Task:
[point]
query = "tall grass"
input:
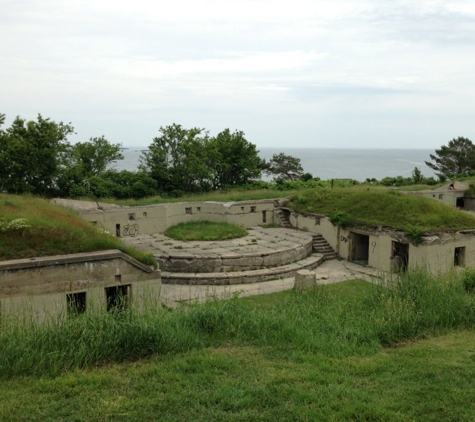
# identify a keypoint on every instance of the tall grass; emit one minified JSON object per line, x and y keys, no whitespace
{"x":320,"y":321}
{"x":49,"y":229}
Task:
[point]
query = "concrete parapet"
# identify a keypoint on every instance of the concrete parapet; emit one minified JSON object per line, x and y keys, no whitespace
{"x":243,"y":277}
{"x":305,"y":280}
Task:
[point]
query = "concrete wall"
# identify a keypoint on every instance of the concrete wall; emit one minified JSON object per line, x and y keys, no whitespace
{"x":38,"y":287}
{"x":469,"y":203}
{"x":318,"y":224}
{"x":436,"y":253}
{"x":447,"y":196}
{"x":157,"y":218}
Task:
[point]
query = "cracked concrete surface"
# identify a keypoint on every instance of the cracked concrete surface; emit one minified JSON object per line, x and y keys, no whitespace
{"x":329,"y":272}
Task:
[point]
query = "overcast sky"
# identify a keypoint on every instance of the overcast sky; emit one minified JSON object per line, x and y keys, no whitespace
{"x":341,"y":74}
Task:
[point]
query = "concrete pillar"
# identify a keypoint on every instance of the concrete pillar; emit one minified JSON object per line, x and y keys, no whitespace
{"x":304,"y":280}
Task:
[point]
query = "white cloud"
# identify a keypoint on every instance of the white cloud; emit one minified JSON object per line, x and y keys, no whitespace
{"x":270,"y":68}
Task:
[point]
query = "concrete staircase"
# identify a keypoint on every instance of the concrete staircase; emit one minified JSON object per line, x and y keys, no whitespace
{"x":284,"y":218}
{"x":320,"y":245}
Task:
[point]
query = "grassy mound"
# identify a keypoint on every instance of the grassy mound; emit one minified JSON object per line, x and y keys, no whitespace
{"x":205,"y":230}
{"x":31,"y":227}
{"x":383,"y":207}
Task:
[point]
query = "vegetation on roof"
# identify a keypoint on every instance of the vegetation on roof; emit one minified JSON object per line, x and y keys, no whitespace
{"x":373,"y":207}
{"x":205,"y":230}
{"x":31,"y":227}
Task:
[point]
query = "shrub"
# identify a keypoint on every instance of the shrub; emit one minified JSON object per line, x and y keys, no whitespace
{"x":414,"y":234}
{"x":340,"y":219}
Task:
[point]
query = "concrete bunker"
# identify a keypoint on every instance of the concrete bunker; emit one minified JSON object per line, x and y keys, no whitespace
{"x":61,"y":286}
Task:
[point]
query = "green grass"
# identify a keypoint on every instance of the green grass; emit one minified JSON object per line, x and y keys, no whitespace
{"x":205,"y":230}
{"x":52,"y":230}
{"x":383,"y":207}
{"x":343,"y":320}
{"x":431,"y":380}
{"x":349,"y":351}
{"x":217,"y":196}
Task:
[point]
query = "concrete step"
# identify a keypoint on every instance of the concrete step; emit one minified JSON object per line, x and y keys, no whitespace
{"x":244,"y":277}
{"x":284,"y":219}
{"x":322,"y":246}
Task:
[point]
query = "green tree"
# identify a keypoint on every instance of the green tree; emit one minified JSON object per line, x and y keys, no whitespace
{"x":417,"y":176}
{"x":285,"y":167}
{"x":233,"y":159}
{"x":306,"y":177}
{"x":116,"y":184}
{"x":178,"y":159}
{"x":32,"y":155}
{"x":458,"y":157}
{"x":94,"y":156}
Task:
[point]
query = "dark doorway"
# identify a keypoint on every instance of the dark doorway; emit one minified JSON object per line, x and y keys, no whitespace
{"x":459,"y":256}
{"x":399,"y":257}
{"x":76,"y":303}
{"x":460,"y":203}
{"x":359,"y":251}
{"x":117,"y":298}
{"x":117,"y":230}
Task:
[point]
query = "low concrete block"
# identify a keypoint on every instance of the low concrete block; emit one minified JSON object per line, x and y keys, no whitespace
{"x":304,"y":280}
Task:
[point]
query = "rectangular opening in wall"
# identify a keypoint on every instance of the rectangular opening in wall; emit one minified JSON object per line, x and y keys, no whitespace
{"x":117,"y":230}
{"x":460,"y":203}
{"x":188,"y":210}
{"x":264,"y":217}
{"x":242,"y":209}
{"x":399,"y":257}
{"x":459,"y":256}
{"x":76,"y":303}
{"x":359,"y":250}
{"x":117,"y":298}
{"x":132,"y":216}
{"x":144,"y":214}
{"x":253,"y":209}
{"x":198,"y":209}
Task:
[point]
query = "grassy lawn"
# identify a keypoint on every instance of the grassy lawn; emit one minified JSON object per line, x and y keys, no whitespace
{"x":431,"y":380}
{"x":205,"y":230}
{"x":349,"y":351}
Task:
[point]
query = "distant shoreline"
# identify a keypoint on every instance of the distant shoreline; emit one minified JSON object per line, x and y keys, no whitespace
{"x":332,"y":163}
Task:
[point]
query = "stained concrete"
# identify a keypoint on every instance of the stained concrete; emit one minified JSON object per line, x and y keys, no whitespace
{"x":261,"y":248}
{"x":333,"y":271}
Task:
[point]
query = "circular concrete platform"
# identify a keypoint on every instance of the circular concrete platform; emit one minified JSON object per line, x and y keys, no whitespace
{"x":262,"y":248}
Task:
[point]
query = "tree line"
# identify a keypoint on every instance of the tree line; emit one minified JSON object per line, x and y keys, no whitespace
{"x":37,"y":158}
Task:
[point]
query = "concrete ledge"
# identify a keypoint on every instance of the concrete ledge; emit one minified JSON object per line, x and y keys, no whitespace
{"x":243,"y":277}
{"x":183,"y":262}
{"x":46,"y":261}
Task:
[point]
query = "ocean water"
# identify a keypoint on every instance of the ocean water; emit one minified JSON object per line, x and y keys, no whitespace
{"x":327,"y":163}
